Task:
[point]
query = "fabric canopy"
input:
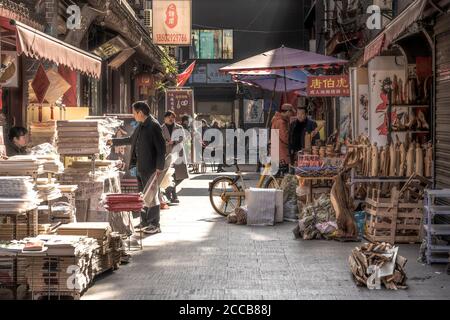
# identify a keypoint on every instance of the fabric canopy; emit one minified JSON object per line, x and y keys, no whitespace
{"x":282,"y":58}
{"x":268,"y":80}
{"x":394,"y":29}
{"x":38,"y":45}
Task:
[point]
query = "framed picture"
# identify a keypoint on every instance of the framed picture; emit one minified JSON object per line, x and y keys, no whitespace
{"x":254,"y":111}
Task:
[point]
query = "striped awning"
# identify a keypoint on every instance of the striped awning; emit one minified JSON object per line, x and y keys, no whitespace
{"x":394,"y":29}
{"x":41,"y":46}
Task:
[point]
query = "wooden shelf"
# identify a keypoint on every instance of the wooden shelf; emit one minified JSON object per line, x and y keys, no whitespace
{"x":438,"y":229}
{"x":439,"y":210}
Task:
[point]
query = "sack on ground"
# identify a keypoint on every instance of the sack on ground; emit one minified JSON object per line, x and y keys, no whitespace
{"x":260,"y":206}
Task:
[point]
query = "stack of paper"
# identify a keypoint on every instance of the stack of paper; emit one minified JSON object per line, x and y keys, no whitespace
{"x":123,"y":202}
{"x":49,"y":157}
{"x":17,"y":194}
{"x":12,"y":267}
{"x":65,"y":266}
{"x":48,"y":191}
{"x":18,"y":227}
{"x":97,"y":230}
{"x":78,"y":137}
{"x":108,"y":128}
{"x":62,"y":212}
{"x":42,"y":132}
{"x":109,"y":243}
{"x":21,"y":166}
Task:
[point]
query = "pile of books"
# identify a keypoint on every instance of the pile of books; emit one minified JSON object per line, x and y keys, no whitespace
{"x":42,"y":132}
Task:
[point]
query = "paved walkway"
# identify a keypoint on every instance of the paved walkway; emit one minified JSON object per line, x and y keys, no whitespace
{"x":200,"y":256}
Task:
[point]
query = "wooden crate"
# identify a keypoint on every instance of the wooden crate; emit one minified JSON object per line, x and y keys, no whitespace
{"x":389,"y":220}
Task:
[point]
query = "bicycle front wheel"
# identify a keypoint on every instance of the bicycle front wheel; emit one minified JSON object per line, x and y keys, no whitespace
{"x":222,"y":201}
{"x":272,"y":183}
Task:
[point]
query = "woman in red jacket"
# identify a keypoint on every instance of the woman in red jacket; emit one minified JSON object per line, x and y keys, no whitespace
{"x":280,"y":121}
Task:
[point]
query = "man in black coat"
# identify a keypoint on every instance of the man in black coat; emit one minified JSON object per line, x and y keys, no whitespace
{"x":298,"y":129}
{"x":148,"y":149}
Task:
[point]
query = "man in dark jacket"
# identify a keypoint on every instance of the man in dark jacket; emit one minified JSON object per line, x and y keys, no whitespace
{"x":148,"y":149}
{"x":16,"y":144}
{"x":298,"y":129}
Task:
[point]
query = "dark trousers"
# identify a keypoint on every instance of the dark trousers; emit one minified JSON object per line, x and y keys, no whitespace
{"x":149,"y":216}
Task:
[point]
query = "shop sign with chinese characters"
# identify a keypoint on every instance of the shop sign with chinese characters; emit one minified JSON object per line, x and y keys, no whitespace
{"x":328,"y":86}
{"x":181,"y":101}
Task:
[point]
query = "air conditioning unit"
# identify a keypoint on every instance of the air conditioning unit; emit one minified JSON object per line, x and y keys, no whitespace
{"x":385,"y":5}
{"x":148,"y":22}
{"x":147,"y":4}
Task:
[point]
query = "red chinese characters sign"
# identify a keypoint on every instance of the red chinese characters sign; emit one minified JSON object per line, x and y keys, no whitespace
{"x":172,"y":22}
{"x":328,"y":86}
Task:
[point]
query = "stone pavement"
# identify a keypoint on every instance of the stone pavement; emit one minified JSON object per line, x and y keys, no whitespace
{"x":200,"y":256}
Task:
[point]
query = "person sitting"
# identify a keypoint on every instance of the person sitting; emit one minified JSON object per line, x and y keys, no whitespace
{"x":17,"y":142}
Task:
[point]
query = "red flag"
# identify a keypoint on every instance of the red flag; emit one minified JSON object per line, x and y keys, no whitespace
{"x":183,"y":77}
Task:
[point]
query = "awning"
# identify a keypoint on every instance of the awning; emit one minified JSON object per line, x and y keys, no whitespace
{"x":394,"y":29}
{"x":374,"y":48}
{"x":38,"y":45}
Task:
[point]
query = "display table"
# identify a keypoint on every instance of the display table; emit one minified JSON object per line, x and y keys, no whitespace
{"x":308,"y":181}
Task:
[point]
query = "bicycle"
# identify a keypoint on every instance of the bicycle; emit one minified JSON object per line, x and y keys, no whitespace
{"x":226,"y":193}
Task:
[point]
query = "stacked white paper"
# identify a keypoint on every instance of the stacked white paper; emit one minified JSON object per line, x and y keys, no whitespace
{"x":17,"y":194}
{"x":21,"y":166}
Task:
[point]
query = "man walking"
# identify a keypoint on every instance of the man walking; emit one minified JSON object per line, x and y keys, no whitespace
{"x":148,"y":149}
{"x":173,"y":133}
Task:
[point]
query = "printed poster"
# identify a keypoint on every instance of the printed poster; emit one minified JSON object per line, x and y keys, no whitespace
{"x":254,"y":111}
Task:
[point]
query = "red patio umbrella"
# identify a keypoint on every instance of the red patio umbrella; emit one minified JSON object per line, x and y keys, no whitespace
{"x":284,"y":58}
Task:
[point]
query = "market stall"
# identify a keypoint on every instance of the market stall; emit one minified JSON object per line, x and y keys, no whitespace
{"x":50,"y":196}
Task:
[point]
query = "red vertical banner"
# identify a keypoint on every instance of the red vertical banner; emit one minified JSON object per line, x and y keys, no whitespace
{"x":70,"y":97}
